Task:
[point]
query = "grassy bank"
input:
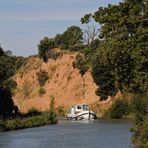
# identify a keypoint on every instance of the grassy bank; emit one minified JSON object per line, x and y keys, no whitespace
{"x":27,"y":122}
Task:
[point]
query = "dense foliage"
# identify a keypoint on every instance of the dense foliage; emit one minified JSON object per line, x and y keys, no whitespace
{"x":44,"y":46}
{"x":52,"y":113}
{"x":81,"y":64}
{"x":121,"y":61}
{"x":71,"y":39}
{"x":122,"y":56}
{"x":6,"y":103}
{"x":39,"y":119}
{"x":140,"y":135}
{"x":119,"y":109}
{"x":8,"y":67}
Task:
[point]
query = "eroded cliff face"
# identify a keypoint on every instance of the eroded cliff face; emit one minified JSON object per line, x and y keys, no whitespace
{"x":65,"y":84}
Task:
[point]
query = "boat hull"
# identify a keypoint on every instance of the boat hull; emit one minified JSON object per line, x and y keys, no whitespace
{"x":85,"y":115}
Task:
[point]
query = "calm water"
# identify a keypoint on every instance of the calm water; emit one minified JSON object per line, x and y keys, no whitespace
{"x":68,"y":134}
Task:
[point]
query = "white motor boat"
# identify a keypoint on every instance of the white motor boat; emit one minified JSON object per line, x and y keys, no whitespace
{"x":81,"y":112}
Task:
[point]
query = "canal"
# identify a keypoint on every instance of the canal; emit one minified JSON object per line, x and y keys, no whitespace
{"x":71,"y":134}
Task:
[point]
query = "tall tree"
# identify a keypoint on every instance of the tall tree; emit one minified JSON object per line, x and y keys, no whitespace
{"x":1,"y":51}
{"x":124,"y":34}
{"x":8,"y":67}
{"x":72,"y":37}
{"x":6,"y":103}
{"x":44,"y":46}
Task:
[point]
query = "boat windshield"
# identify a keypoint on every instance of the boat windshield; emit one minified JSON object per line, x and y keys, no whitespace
{"x":79,"y":107}
{"x":85,"y":107}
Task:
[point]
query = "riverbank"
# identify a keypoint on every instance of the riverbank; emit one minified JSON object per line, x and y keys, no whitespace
{"x":27,"y":122}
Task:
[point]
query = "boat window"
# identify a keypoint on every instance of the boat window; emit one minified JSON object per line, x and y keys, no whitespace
{"x":85,"y":107}
{"x":79,"y":107}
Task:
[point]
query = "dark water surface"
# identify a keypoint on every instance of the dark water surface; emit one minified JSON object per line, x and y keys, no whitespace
{"x":71,"y":134}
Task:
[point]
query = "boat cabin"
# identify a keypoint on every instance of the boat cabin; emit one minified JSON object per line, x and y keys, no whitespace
{"x":79,"y":112}
{"x":81,"y":107}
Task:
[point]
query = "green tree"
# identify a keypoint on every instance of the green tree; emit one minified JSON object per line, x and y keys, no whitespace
{"x":81,"y":64}
{"x":44,"y":46}
{"x":72,"y":38}
{"x":86,"y":18}
{"x":119,"y":108}
{"x":140,"y":130}
{"x":52,"y":114}
{"x":10,"y":84}
{"x":58,"y":40}
{"x":6,"y":103}
{"x":102,"y":72}
{"x":8,"y":66}
{"x":1,"y":51}
{"x":124,"y":46}
{"x":122,"y":58}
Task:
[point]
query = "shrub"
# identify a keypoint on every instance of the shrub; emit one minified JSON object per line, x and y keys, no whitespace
{"x":10,"y":84}
{"x":44,"y":46}
{"x":41,"y":91}
{"x":140,"y":130}
{"x":20,"y":123}
{"x":71,"y":38}
{"x":33,"y":112}
{"x":118,"y":109}
{"x":42,"y":77}
{"x":52,"y":114}
{"x":61,"y":111}
{"x":81,"y":64}
{"x":52,"y":54}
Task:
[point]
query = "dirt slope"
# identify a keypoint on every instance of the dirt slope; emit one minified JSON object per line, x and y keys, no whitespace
{"x":65,"y":84}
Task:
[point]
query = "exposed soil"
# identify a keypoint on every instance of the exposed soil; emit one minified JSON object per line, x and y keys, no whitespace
{"x":65,"y":84}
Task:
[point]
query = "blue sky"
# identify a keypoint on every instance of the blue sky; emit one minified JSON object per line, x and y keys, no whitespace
{"x":23,"y":23}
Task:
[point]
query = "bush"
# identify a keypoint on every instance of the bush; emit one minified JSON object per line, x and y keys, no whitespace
{"x":61,"y":111}
{"x":44,"y":46}
{"x":33,"y":112}
{"x":10,"y":84}
{"x":20,"y":123}
{"x":140,"y":135}
{"x":42,"y":77}
{"x":118,"y":109}
{"x":81,"y":64}
{"x":41,"y":91}
{"x":140,"y":108}
{"x":140,"y":131}
{"x":52,"y":113}
{"x":71,"y":38}
{"x":52,"y":54}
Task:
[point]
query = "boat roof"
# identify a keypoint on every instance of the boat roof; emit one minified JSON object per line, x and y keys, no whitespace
{"x":80,"y":104}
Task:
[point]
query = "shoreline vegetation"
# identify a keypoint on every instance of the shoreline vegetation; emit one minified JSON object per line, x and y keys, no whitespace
{"x":33,"y":118}
{"x":27,"y":122}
